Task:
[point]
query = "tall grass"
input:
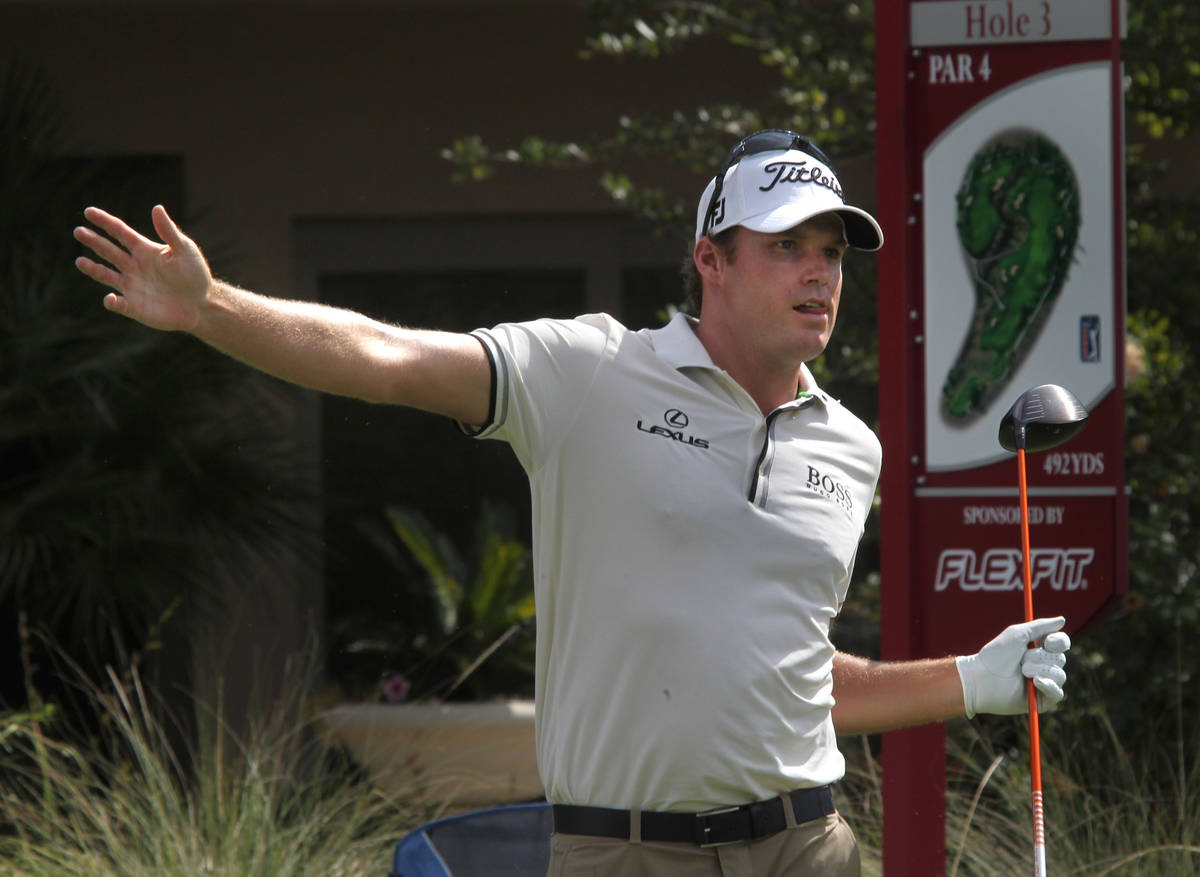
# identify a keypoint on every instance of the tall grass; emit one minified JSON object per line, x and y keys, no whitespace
{"x":277,"y":802}
{"x":1115,"y":807}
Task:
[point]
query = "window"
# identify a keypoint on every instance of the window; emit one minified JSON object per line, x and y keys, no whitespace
{"x":456,"y":275}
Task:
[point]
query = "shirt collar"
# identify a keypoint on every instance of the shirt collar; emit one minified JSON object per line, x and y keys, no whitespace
{"x":677,"y":343}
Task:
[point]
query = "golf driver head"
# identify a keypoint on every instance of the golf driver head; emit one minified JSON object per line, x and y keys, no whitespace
{"x":1042,"y":418}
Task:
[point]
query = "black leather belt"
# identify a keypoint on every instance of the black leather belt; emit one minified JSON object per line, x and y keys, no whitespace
{"x":711,"y":828}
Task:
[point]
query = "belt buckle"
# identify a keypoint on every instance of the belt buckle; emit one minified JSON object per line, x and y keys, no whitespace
{"x":704,"y":830}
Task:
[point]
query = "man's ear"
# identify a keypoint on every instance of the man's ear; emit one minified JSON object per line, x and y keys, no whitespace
{"x":709,"y":259}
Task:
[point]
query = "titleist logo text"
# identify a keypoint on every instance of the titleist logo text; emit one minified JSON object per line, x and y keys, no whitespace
{"x":800,"y":172}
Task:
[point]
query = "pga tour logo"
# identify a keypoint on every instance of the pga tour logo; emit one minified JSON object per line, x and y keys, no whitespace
{"x":1089,"y":338}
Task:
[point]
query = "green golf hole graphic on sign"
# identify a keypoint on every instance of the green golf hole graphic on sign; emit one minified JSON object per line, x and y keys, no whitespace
{"x":1018,"y":222}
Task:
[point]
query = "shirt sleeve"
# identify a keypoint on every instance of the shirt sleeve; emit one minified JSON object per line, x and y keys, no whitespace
{"x":542,"y":372}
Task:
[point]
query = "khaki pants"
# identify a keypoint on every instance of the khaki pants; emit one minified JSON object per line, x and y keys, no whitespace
{"x":819,"y":848}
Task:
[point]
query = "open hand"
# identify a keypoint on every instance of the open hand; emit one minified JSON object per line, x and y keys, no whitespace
{"x":163,"y":286}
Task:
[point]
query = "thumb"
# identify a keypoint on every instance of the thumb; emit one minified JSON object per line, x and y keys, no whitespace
{"x":167,"y":230}
{"x":1035,"y":630}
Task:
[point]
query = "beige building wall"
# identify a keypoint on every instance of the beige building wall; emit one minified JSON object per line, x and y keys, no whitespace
{"x":287,"y":110}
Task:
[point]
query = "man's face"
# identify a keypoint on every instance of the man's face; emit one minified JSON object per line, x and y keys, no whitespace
{"x":781,"y":290}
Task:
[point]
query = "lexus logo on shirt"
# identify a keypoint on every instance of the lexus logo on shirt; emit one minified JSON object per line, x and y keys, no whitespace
{"x":676,"y":422}
{"x":676,"y":418}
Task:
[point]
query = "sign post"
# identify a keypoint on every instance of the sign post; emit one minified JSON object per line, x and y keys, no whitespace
{"x":1000,"y":159}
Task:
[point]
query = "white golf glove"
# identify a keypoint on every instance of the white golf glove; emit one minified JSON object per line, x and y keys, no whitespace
{"x":993,"y":681}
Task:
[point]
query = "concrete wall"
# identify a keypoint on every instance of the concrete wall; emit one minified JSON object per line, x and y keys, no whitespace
{"x":285,"y":110}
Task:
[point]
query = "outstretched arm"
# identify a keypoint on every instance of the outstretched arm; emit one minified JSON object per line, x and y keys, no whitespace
{"x":874,"y":696}
{"x":169,"y":286}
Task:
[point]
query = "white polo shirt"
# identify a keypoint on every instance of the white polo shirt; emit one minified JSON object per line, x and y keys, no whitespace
{"x":689,"y":555}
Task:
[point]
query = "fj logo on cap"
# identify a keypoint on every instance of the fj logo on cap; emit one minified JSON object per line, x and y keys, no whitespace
{"x":718,"y":213}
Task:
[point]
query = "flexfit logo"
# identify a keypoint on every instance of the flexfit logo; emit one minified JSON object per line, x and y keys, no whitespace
{"x":1001,"y":569}
{"x":676,"y":422}
{"x":800,"y":172}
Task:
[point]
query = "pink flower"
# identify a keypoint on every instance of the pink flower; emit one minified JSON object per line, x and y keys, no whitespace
{"x":395,"y":689}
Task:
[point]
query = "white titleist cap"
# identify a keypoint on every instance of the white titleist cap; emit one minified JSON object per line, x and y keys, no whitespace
{"x":775,"y":190}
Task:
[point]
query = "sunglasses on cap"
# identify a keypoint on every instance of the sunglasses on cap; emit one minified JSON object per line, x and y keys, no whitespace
{"x":767,"y":140}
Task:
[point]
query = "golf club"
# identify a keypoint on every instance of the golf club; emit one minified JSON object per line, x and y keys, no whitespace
{"x":1042,"y":418}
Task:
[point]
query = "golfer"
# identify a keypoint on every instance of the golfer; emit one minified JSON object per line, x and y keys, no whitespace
{"x":697,"y":504}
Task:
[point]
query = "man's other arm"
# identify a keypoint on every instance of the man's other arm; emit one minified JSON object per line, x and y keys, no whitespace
{"x":169,"y":286}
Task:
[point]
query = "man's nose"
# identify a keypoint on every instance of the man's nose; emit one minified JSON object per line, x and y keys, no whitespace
{"x":815,"y":270}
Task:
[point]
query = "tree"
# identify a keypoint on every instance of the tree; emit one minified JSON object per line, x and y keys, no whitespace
{"x":821,"y":53}
{"x":139,"y":474}
{"x":1147,"y":655}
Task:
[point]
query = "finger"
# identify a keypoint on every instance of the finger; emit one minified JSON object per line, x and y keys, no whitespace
{"x":1040,"y":657}
{"x":1050,"y":693}
{"x":1057,"y":642}
{"x":1049,"y":659}
{"x":1049,"y":675}
{"x":101,"y":246}
{"x":118,"y":304}
{"x":116,"y":228}
{"x":1044,"y":663}
{"x":100,"y":273}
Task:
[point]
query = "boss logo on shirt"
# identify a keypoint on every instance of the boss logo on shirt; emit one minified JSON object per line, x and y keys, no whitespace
{"x":675,"y":429}
{"x":830,"y":488}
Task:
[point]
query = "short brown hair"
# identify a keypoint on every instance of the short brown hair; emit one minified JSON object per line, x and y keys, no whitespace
{"x":693,"y":283}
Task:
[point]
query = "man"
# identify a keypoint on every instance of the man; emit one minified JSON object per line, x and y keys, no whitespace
{"x":697,"y":503}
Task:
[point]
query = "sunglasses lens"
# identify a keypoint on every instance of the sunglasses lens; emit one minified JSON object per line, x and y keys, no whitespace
{"x":765,"y":141}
